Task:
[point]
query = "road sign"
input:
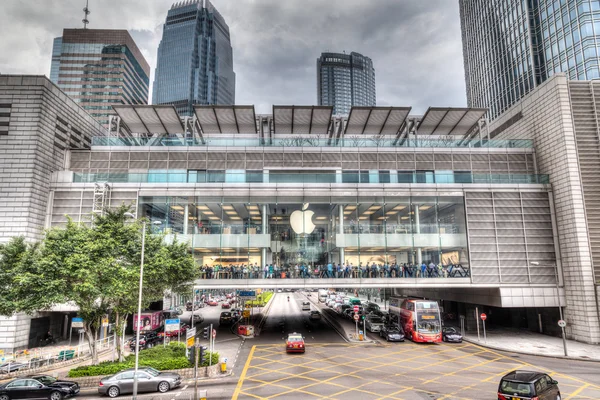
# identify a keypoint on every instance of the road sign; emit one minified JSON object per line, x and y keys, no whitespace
{"x":355,"y":308}
{"x":214,"y":333}
{"x":562,"y":323}
{"x":246,"y":313}
{"x":190,"y":342}
{"x":105,"y":322}
{"x":77,"y":323}
{"x":356,"y":317}
{"x":483,"y":317}
{"x":247,"y":293}
{"x":172,"y":325}
{"x":190,"y":333}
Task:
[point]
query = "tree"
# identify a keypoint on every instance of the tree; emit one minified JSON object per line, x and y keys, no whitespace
{"x":97,"y":268}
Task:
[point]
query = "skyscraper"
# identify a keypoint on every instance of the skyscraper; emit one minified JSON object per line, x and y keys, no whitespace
{"x":195,"y":58}
{"x":511,"y":46}
{"x":99,"y":68}
{"x":345,"y":80}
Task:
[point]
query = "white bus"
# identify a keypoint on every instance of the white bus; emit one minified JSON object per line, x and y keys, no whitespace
{"x":323,"y":295}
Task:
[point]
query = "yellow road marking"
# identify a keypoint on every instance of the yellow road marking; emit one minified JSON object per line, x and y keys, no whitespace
{"x":238,"y":387}
{"x":575,"y":393}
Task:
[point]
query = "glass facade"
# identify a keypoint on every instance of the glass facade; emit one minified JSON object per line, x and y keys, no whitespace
{"x":344,"y":81}
{"x":195,"y":59}
{"x":510,"y":46}
{"x":315,"y":231}
{"x":100,"y":68}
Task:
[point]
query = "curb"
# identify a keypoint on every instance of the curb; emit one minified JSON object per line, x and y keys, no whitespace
{"x":527,"y":353}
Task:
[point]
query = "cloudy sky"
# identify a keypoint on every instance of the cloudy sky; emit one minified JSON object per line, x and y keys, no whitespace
{"x":415,"y":45}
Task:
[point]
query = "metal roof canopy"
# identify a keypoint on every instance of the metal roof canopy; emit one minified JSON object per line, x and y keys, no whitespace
{"x":302,"y":119}
{"x":226,"y":119}
{"x":376,"y":120}
{"x":150,"y":119}
{"x":449,"y":121}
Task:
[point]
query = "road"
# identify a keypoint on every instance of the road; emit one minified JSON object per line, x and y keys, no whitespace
{"x":333,"y":368}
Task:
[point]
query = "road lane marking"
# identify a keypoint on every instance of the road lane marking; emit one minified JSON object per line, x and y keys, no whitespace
{"x":238,"y":387}
{"x":575,"y":393}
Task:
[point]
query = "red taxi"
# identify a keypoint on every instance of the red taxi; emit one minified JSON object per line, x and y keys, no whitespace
{"x":294,"y":343}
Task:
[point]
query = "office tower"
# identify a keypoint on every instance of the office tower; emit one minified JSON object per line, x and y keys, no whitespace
{"x":99,"y":68}
{"x":195,"y":58}
{"x":512,"y":46}
{"x":345,"y":80}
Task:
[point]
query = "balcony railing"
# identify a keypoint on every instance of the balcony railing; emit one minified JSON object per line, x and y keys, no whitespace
{"x":194,"y":177}
{"x":312,"y":142}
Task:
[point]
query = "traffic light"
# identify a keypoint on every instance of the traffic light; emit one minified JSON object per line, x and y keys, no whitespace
{"x":203,"y":355}
{"x":206,"y":333}
{"x":192,"y":356}
{"x":362,"y":317}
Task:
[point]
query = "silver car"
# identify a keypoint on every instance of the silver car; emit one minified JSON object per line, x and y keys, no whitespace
{"x":149,"y":380}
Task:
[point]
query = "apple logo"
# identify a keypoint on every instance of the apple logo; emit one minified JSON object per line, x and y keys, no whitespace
{"x":301,"y":221}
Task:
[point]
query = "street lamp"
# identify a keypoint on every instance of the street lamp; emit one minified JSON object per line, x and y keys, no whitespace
{"x":139,"y":312}
{"x":559,"y":305}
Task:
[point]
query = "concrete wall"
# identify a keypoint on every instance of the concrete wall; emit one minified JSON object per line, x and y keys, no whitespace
{"x":547,"y":118}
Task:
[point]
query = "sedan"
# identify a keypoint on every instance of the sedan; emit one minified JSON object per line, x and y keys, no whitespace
{"x":149,"y":380}
{"x":212,"y":303}
{"x":225,"y":305}
{"x":391,"y":334}
{"x":450,"y":334}
{"x":314,"y":316}
{"x":295,"y":343}
{"x":38,"y":387}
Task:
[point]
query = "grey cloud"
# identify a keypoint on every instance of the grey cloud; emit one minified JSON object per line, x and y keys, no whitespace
{"x":415,"y":45}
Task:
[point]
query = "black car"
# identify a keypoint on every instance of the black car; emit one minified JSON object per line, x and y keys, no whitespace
{"x":527,"y":385}
{"x":226,"y":318}
{"x":147,"y":340}
{"x":348,"y":313}
{"x":391,"y":333}
{"x":450,"y":334}
{"x":38,"y":387}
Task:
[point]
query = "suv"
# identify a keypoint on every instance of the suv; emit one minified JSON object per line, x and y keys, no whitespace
{"x":528,"y":385}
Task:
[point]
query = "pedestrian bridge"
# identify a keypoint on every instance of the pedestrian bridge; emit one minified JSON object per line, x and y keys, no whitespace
{"x":310,"y":283}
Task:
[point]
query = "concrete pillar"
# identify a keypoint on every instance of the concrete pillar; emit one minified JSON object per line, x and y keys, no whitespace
{"x":265,"y":225}
{"x":341,"y":231}
{"x":418,"y":231}
{"x":185,"y":219}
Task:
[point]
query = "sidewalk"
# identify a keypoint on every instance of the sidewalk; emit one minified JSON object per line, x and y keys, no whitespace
{"x":526,"y":342}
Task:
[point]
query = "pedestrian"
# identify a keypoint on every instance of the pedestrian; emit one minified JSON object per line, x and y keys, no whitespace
{"x":329,"y":270}
{"x":266,"y":271}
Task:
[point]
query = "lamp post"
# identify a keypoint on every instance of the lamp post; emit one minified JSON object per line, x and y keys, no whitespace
{"x":139,"y":311}
{"x":562,"y":328}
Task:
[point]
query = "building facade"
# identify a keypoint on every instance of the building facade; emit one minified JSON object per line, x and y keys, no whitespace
{"x":100,"y":68}
{"x":345,"y":80}
{"x":39,"y":126}
{"x":195,"y":59}
{"x":512,"y":46}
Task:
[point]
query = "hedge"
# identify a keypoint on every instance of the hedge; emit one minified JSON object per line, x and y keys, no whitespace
{"x":261,"y":300}
{"x":159,"y":357}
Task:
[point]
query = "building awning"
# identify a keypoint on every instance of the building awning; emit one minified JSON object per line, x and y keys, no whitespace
{"x":449,"y":121}
{"x":376,"y":120}
{"x":226,"y":119}
{"x":150,"y":120}
{"x":300,"y":120}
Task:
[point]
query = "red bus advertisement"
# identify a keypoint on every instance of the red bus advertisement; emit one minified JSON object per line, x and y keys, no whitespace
{"x":149,"y":320}
{"x":419,"y":319}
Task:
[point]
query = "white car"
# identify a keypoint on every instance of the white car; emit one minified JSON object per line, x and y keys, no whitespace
{"x":374,"y":324}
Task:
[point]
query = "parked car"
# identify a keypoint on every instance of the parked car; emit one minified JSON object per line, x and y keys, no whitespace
{"x":226,"y":318}
{"x":38,"y":387}
{"x":528,"y":385}
{"x":9,"y":367}
{"x":450,"y":334}
{"x":149,"y":380}
{"x":147,"y":340}
{"x":295,"y":343}
{"x":391,"y":333}
{"x":374,"y":323}
{"x":314,"y":316}
{"x":305,"y":306}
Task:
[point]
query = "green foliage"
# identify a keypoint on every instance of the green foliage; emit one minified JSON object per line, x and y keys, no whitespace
{"x":159,"y":357}
{"x":261,"y":300}
{"x":213,"y":356}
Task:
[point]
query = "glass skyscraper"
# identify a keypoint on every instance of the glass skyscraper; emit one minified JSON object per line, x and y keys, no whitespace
{"x":345,"y":80}
{"x":511,"y":46}
{"x":195,"y":58}
{"x":99,"y":68}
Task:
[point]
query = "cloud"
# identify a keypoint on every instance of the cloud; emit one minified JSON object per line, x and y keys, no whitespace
{"x":415,"y":45}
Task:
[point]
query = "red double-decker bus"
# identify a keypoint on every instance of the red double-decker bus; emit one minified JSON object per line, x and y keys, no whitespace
{"x":419,"y":319}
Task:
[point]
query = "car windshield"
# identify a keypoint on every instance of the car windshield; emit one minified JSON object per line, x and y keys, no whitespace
{"x":450,"y":330}
{"x":294,"y":338}
{"x":375,"y":320}
{"x":152,"y":371}
{"x":46,"y":380}
{"x":515,"y":388}
{"x":225,"y":314}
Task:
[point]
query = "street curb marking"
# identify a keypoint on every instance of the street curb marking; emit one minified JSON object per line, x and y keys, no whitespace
{"x":238,"y":387}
